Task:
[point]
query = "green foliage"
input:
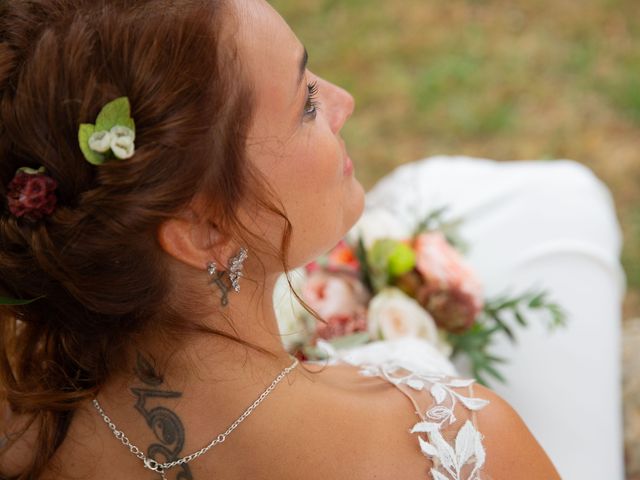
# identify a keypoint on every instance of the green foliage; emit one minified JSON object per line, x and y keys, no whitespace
{"x":498,"y":317}
{"x":116,"y":112}
{"x":365,"y":271}
{"x":388,"y":259}
{"x":17,"y":302}
{"x":402,"y":259}
{"x":84,"y":133}
{"x":435,"y":221}
{"x":32,"y":171}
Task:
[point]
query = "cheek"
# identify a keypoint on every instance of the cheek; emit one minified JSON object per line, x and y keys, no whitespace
{"x":322,"y":203}
{"x":314,"y":168}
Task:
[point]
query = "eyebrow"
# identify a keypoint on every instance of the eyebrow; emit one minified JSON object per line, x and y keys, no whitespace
{"x":303,"y":65}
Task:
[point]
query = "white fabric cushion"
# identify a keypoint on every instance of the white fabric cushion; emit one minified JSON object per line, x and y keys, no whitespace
{"x":548,"y":224}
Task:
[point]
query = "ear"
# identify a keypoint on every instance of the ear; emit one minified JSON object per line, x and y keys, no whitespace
{"x":193,"y":239}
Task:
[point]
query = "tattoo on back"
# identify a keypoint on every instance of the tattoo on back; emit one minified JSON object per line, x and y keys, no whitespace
{"x":165,"y":424}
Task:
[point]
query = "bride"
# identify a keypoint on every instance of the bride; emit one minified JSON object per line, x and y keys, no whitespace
{"x":162,"y":164}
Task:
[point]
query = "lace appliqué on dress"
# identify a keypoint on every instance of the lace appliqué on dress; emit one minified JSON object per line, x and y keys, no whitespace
{"x":464,"y":457}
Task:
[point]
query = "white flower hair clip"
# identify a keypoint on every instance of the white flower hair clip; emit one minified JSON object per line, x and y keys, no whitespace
{"x":112,"y":136}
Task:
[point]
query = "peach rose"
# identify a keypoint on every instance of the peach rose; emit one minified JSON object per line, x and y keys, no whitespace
{"x":452,"y":292}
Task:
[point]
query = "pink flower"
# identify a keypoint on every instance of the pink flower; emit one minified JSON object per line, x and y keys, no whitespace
{"x":452,"y":292}
{"x":341,"y":325}
{"x":312,"y":267}
{"x":334,"y":294}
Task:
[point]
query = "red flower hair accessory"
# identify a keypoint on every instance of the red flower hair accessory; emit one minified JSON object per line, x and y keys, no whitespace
{"x":32,"y":194}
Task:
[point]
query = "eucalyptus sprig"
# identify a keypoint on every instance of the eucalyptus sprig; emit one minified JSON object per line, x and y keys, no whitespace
{"x":497,"y":318}
{"x":435,"y":221}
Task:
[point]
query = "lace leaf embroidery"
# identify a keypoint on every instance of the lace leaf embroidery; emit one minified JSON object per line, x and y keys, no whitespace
{"x":467,"y":449}
{"x":437,"y":475}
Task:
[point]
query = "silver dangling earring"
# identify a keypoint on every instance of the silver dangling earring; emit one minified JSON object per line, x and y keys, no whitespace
{"x":236,"y":264}
{"x":216,"y":277}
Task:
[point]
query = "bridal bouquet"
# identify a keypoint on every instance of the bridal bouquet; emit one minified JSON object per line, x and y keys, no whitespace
{"x":381,"y":283}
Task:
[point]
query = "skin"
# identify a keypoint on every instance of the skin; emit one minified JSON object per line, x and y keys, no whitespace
{"x":206,"y":382}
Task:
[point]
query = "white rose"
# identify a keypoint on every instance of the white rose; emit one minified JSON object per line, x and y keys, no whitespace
{"x":291,"y":316}
{"x":393,"y":314}
{"x":100,"y":141}
{"x":120,"y":131}
{"x":375,"y":224}
{"x":122,"y":146}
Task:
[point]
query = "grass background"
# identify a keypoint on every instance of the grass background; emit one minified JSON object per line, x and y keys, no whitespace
{"x":508,"y":80}
{"x":534,"y":79}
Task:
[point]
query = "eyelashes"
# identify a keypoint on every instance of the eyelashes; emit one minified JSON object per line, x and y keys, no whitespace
{"x":312,"y":104}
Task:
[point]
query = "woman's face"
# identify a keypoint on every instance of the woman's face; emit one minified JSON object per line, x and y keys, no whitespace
{"x":294,"y":139}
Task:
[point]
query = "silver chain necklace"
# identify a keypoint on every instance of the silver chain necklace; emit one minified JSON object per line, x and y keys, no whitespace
{"x":161,"y":468}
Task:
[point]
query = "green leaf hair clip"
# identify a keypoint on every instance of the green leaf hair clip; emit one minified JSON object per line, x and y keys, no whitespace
{"x":112,"y":136}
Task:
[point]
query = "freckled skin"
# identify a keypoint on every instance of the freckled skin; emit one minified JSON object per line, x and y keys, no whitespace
{"x":302,"y":156}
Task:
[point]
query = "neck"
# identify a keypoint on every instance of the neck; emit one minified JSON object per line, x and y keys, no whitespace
{"x":225,"y":374}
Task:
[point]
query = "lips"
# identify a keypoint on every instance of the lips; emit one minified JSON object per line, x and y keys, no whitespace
{"x":347,"y":165}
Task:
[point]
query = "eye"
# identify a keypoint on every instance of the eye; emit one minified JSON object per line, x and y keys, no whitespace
{"x":312,"y":104}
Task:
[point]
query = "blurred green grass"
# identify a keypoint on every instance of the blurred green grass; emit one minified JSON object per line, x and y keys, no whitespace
{"x":534,"y":79}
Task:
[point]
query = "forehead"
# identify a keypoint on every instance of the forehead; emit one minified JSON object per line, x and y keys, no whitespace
{"x":269,"y":51}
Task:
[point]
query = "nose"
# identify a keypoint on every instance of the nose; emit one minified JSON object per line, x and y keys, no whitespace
{"x":340,"y":106}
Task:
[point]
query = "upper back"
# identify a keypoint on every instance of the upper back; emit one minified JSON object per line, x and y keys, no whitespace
{"x":378,"y":421}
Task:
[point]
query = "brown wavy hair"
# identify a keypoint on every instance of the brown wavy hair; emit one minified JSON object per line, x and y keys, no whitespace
{"x":100,"y":275}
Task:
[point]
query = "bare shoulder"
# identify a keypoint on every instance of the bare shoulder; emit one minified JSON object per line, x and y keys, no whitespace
{"x":511,"y":449}
{"x":383,"y":415}
{"x":363,"y":429}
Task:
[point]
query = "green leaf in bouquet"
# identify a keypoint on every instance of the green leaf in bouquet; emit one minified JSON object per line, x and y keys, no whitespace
{"x":378,"y":263}
{"x":432,"y":221}
{"x":484,"y":369}
{"x":474,"y":344}
{"x":389,"y":259}
{"x":492,"y":314}
{"x":314,"y":353}
{"x":537,"y":301}
{"x":558,"y":316}
{"x":520,"y":318}
{"x":402,"y":259}
{"x":495,"y":359}
{"x":365,"y":269}
{"x":351,"y":340}
{"x":519,"y":305}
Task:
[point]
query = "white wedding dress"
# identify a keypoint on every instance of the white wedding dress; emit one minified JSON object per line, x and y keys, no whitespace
{"x":548,"y":225}
{"x":446,"y":427}
{"x":551,"y":225}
